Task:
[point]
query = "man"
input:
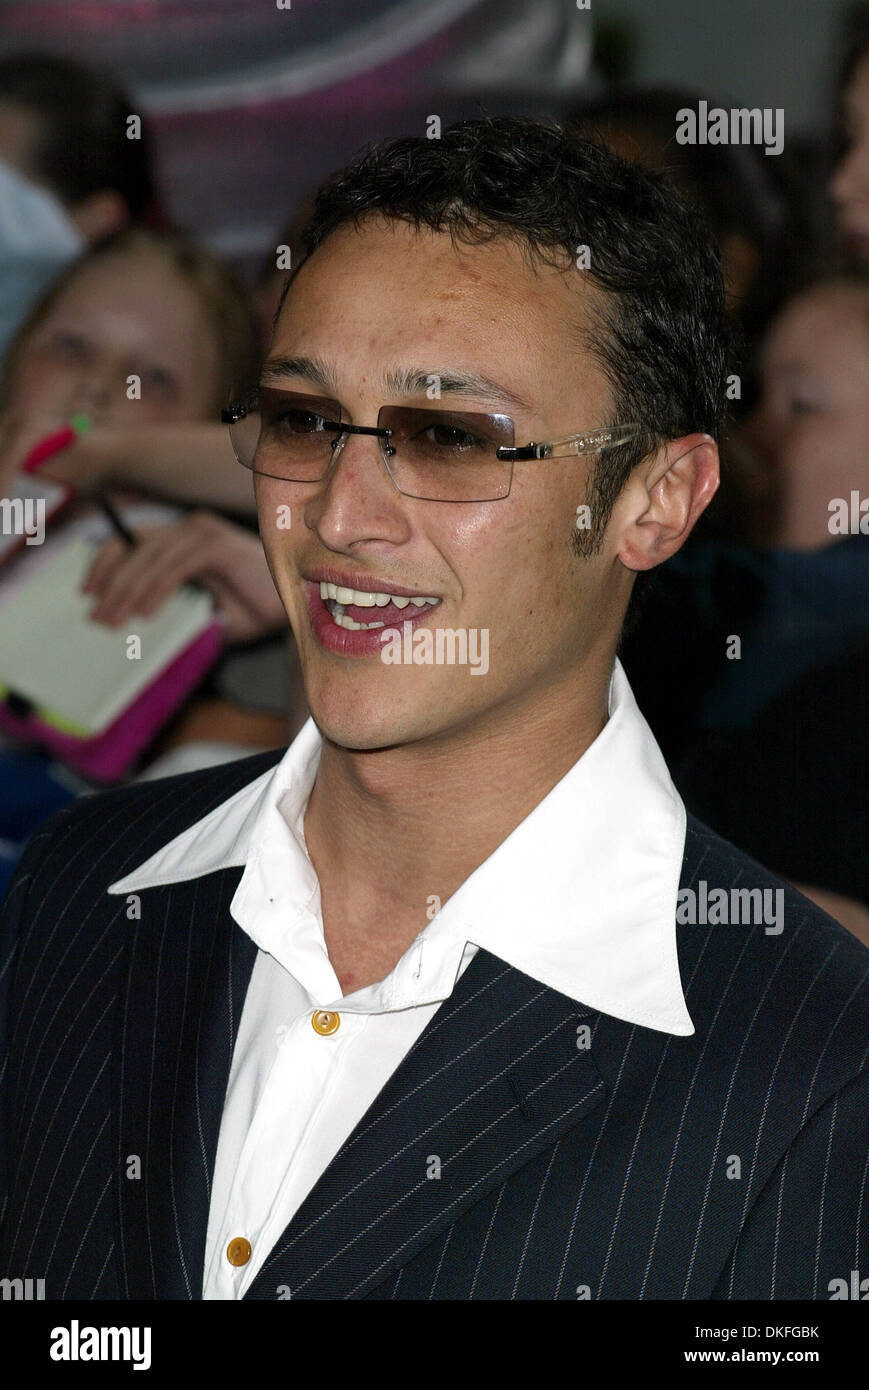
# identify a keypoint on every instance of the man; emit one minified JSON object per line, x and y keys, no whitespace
{"x":449,"y":1001}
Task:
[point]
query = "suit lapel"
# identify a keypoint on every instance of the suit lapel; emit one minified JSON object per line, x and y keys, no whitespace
{"x":496,"y":1077}
{"x":188,"y":969}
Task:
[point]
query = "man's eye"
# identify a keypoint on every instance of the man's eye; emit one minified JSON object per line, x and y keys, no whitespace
{"x":299,"y":421}
{"x":452,"y":437}
{"x":801,"y":406}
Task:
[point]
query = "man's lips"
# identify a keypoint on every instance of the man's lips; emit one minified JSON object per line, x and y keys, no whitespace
{"x":367,"y":583}
{"x":386,"y":615}
{"x":338,"y":595}
{"x":361,"y":641}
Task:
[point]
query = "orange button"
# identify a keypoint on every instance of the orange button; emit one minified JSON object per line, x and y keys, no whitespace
{"x":239,"y":1251}
{"x":325,"y":1022}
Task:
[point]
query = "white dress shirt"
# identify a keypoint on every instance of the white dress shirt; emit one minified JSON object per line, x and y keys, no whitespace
{"x":580,"y":896}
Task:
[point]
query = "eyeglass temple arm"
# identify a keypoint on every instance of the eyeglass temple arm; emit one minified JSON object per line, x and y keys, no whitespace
{"x":571,"y":444}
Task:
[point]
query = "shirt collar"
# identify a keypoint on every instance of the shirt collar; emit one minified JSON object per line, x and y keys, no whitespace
{"x":580,"y":896}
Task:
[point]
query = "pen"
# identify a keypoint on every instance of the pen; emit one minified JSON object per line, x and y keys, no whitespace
{"x":52,"y":444}
{"x":119,"y":526}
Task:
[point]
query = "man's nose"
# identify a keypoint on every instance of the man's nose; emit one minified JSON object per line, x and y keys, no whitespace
{"x":356,"y":499}
{"x":359,"y":456}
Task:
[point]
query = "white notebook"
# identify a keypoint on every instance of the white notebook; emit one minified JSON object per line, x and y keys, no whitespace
{"x":76,"y":672}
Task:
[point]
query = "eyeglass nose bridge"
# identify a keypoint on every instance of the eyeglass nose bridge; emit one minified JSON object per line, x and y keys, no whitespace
{"x":382,"y":434}
{"x":343,"y":428}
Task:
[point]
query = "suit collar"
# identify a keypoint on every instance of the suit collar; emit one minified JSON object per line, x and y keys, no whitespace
{"x":497,"y":1076}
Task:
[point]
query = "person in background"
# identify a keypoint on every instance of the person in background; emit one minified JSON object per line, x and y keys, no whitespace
{"x":170,"y":443}
{"x":810,"y":429}
{"x":767,"y":241}
{"x":156,"y":308}
{"x":71,"y":176}
{"x":765,"y":726}
{"x":189,"y":461}
{"x":136,"y":304}
{"x":849,"y":184}
{"x":70,"y":173}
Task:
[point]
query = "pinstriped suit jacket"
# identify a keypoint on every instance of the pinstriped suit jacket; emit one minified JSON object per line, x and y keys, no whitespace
{"x":727,"y":1165}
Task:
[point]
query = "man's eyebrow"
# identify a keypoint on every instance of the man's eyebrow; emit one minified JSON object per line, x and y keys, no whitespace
{"x":398,"y":381}
{"x":449,"y":381}
{"x":314,"y":369}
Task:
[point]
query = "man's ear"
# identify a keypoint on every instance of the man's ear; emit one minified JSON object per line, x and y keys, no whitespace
{"x":663,"y":499}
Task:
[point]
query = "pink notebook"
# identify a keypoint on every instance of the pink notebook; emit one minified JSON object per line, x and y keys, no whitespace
{"x":93,"y":694}
{"x":110,"y":755}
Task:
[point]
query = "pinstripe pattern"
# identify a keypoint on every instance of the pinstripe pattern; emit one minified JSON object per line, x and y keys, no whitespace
{"x":566,"y":1172}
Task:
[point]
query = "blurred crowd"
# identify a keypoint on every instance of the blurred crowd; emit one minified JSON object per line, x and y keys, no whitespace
{"x":748,"y":651}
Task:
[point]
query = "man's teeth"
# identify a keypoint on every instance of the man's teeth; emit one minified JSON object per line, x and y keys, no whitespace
{"x":340,"y":597}
{"x":362,"y":598}
{"x":341,"y":618}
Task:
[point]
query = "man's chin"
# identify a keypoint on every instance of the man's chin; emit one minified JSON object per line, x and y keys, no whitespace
{"x":359,"y":726}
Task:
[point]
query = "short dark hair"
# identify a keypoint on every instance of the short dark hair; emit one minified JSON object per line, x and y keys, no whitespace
{"x":82,"y":146}
{"x":738,"y":190}
{"x":665,"y":333}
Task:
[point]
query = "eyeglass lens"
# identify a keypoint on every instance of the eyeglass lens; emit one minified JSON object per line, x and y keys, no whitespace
{"x":439,"y":455}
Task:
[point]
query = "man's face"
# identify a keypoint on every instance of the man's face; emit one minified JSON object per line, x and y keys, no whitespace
{"x":387,"y":299}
